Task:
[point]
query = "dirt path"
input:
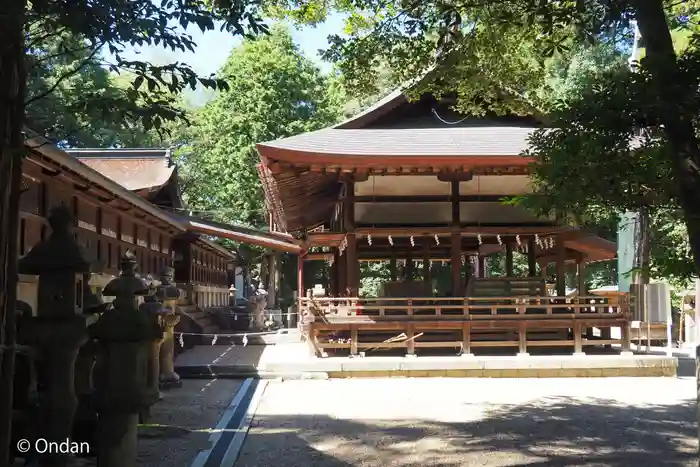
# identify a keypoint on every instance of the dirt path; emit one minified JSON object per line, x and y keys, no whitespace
{"x":635,"y":422}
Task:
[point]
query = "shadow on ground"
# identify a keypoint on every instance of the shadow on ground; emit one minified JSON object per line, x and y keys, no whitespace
{"x":217,"y":360}
{"x":553,"y":432}
{"x":686,"y":366}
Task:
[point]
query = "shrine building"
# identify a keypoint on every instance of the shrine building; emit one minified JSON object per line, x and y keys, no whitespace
{"x":411,"y":181}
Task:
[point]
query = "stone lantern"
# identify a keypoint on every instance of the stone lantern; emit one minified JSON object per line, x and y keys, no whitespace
{"x":123,"y":336}
{"x":59,"y":328}
{"x":169,"y":294}
{"x":156,"y":311}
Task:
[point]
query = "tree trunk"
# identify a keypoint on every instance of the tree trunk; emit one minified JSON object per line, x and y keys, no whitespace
{"x":661,"y":61}
{"x":12,"y":94}
{"x":662,"y":64}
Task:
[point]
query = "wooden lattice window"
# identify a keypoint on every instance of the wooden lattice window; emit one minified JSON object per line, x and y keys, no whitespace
{"x":30,"y":197}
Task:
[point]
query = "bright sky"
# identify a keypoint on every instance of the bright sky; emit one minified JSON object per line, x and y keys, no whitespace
{"x":213,"y":47}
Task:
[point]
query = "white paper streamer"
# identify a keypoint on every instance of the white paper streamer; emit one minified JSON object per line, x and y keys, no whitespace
{"x":437,"y":240}
{"x":391,"y":241}
{"x":413,"y":243}
{"x":245,"y":340}
{"x":500,"y":241}
{"x":478,"y":237}
{"x":213,"y":341}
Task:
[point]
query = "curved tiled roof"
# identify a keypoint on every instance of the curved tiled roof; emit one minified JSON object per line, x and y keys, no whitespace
{"x":457,"y":141}
{"x":135,"y":170}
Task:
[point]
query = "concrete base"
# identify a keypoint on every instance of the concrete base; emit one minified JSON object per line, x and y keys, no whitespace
{"x":488,"y":367}
{"x":292,"y":361}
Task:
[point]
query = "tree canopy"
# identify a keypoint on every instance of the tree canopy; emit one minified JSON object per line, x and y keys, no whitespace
{"x":618,"y":139}
{"x":89,"y":108}
{"x":274,"y":92}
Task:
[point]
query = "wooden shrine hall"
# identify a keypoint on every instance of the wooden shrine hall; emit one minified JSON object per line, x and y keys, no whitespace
{"x":412,"y":181}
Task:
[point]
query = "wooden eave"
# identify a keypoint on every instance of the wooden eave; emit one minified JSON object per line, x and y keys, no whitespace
{"x":243,"y":235}
{"x":280,"y":160}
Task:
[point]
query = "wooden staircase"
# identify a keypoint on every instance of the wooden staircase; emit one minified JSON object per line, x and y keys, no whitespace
{"x":202,"y":318}
{"x":506,"y":287}
{"x":196,"y":321}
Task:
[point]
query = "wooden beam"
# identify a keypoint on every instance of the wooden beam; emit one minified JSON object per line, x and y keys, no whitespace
{"x":388,"y":253}
{"x":465,"y":230}
{"x":429,"y":198}
{"x":455,"y":176}
{"x":318,"y":256}
{"x":354,"y":176}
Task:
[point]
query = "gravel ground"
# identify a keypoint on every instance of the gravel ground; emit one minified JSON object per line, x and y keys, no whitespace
{"x":180,"y":424}
{"x":189,"y":414}
{"x":635,"y":422}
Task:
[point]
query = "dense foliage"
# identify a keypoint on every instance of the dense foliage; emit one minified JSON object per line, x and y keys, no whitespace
{"x":274,"y":92}
{"x":73,"y":99}
{"x":564,"y":62}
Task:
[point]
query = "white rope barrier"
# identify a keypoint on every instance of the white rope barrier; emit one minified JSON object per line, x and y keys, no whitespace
{"x":216,"y":336}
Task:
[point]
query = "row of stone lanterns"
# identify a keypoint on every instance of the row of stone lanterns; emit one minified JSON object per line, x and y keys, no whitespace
{"x":127,"y":351}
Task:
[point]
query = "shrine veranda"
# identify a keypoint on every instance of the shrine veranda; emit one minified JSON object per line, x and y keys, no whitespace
{"x":396,"y":184}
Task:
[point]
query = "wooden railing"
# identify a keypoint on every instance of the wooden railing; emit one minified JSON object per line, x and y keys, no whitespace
{"x":419,"y":307}
{"x":461,"y":322}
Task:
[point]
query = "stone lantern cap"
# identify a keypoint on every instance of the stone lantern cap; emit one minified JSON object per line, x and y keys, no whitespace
{"x":59,"y":252}
{"x":128,"y":283}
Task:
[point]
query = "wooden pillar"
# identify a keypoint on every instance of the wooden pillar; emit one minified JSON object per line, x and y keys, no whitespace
{"x":426,"y":263}
{"x":456,"y":243}
{"x":509,"y":259}
{"x":481,"y":266}
{"x":581,"y":278}
{"x":409,"y":266}
{"x":334,"y":276}
{"x":342,"y":274}
{"x":353,"y":280}
{"x":353,"y":272}
{"x":560,"y":265}
{"x":531,"y":257}
{"x":467,"y":268}
{"x":300,"y":276}
{"x":392,"y":265}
